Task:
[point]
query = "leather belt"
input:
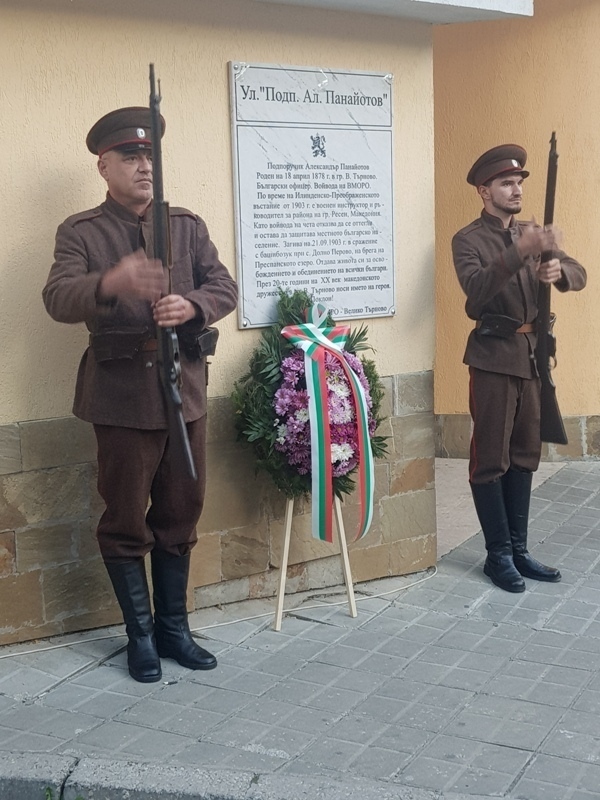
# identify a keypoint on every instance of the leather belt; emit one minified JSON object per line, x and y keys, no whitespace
{"x":526,"y":327}
{"x":148,"y":345}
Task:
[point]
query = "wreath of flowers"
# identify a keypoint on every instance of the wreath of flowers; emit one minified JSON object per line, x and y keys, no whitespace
{"x":272,"y":404}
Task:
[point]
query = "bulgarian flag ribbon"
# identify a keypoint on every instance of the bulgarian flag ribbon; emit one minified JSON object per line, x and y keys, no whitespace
{"x":315,"y":340}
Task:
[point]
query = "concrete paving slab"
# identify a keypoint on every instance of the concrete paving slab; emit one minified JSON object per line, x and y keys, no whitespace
{"x":443,"y":688}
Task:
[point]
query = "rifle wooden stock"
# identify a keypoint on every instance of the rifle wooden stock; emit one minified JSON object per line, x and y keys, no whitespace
{"x":169,"y":364}
{"x":552,"y":428}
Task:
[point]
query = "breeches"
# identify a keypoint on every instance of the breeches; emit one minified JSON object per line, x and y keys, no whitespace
{"x":150,"y":503}
{"x":506,"y":424}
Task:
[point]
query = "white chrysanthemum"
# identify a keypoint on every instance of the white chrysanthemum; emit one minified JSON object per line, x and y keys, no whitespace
{"x":281,"y":434}
{"x":339,"y":388}
{"x":302,"y":415}
{"x":341,"y":452}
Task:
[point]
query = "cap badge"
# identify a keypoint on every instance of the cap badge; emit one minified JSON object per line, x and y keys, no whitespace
{"x":515,"y":163}
{"x":141,"y":133}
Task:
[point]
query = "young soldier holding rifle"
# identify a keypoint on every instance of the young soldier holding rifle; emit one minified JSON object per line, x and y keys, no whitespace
{"x":499,"y":265}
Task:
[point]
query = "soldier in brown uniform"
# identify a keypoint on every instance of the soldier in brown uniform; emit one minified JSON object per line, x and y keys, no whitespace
{"x":498,"y":263}
{"x":104,"y":275}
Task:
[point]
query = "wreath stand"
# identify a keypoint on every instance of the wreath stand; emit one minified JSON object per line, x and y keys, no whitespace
{"x":339,"y":524}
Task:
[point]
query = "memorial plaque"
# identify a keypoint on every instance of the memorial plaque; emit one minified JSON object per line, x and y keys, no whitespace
{"x":312,"y":152}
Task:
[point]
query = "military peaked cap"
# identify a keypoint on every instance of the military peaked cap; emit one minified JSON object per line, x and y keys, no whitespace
{"x":499,"y":160}
{"x":126,"y":129}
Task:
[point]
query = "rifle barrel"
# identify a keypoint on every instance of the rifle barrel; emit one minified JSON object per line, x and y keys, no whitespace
{"x":551,"y":182}
{"x":168,"y":345}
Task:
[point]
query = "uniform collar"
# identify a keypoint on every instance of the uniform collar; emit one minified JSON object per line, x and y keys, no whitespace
{"x":124,"y":213}
{"x":496,"y":222}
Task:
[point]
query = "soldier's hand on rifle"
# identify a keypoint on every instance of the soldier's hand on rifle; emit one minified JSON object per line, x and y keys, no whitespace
{"x":535,"y":240}
{"x":173,"y":310}
{"x":134,"y":275}
{"x":550,"y":271}
{"x":557,"y":236}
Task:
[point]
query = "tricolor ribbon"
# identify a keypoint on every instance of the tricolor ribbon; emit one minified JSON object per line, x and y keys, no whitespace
{"x":315,"y":340}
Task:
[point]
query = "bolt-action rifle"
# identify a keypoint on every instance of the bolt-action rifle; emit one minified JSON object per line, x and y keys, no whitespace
{"x":552,"y":428}
{"x":169,"y":364}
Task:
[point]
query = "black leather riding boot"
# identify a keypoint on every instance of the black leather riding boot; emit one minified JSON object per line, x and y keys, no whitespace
{"x":516,"y":487}
{"x":173,"y":636}
{"x":499,"y":566}
{"x":131,"y":588}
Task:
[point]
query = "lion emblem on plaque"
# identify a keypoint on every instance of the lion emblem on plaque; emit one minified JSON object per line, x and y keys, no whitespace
{"x":318,"y":145}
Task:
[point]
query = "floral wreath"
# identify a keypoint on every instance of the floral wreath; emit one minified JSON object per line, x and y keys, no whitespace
{"x":310,"y":407}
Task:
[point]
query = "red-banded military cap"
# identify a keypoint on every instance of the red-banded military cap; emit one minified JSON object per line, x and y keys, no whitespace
{"x":501,"y":160}
{"x":126,"y":129}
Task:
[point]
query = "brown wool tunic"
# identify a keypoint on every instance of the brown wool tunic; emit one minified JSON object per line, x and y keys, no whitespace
{"x":497,"y":281}
{"x":127,"y":392}
{"x":504,"y":397}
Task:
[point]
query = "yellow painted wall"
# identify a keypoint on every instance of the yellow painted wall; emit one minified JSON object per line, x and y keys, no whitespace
{"x":64,"y":63}
{"x":517,"y":81}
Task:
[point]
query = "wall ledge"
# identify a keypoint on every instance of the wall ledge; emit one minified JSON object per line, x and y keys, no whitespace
{"x":432,"y":11}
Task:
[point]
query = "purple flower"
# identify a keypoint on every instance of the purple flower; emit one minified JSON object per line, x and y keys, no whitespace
{"x":284,"y":398}
{"x":293,"y":425}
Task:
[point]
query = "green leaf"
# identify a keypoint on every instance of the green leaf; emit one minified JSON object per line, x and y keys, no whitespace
{"x":357,"y":340}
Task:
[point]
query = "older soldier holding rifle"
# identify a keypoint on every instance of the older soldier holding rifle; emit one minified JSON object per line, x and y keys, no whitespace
{"x":105,"y":274}
{"x":499,"y":265}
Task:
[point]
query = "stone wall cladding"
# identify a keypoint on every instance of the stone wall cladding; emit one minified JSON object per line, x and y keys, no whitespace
{"x":402,"y":537}
{"x":52,"y":580}
{"x":453,"y":434}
